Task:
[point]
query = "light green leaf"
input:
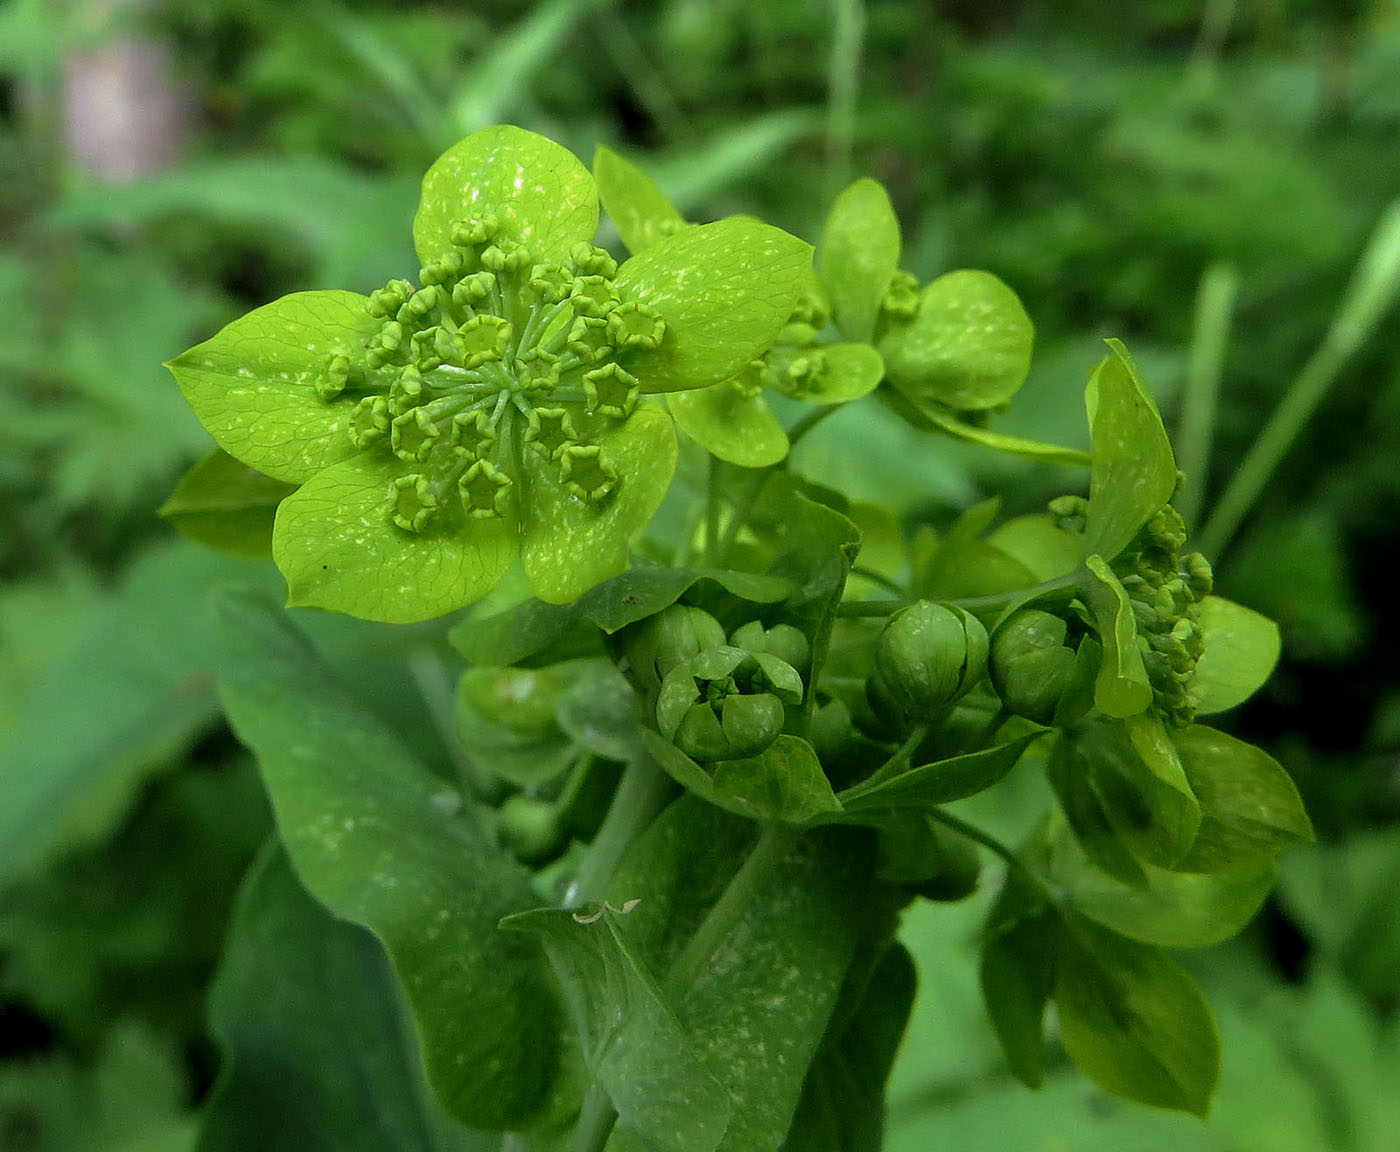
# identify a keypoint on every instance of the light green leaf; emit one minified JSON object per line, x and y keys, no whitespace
{"x":945,"y":421}
{"x":731,"y":423}
{"x":382,"y":844}
{"x":725,"y":291}
{"x":1017,"y":971}
{"x":1133,"y":473}
{"x":226,"y":505}
{"x":641,"y":211}
{"x":253,"y":385}
{"x":310,"y":1019}
{"x":858,"y":257}
{"x":1046,"y":550}
{"x":1170,"y":910}
{"x":969,"y":346}
{"x":516,"y":635}
{"x":1250,"y":808}
{"x":938,"y":783}
{"x":569,"y":546}
{"x":851,"y":371}
{"x":632,"y":1041}
{"x":540,"y":192}
{"x":1134,"y":1021}
{"x":1122,"y":688}
{"x":1241,"y":649}
{"x":337,"y":549}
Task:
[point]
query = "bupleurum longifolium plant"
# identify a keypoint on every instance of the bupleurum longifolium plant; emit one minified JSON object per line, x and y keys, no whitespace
{"x":711,"y":721}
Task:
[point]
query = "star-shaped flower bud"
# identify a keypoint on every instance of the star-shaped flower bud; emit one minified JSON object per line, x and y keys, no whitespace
{"x":593,"y":296}
{"x":474,"y":232}
{"x":538,"y":371}
{"x":473,"y":434}
{"x":610,"y":391}
{"x":412,"y":502}
{"x":483,"y":339}
{"x":446,"y":269}
{"x":485,"y":491}
{"x":586,"y":474}
{"x":634,"y":325}
{"x":588,"y":339}
{"x":332,"y":379}
{"x":406,"y":392}
{"x":370,"y":422}
{"x":549,"y":431}
{"x":902,"y":296}
{"x":413,"y":433}
{"x":590,"y":260}
{"x":551,"y":282}
{"x":471,"y":292}
{"x":389,"y":299}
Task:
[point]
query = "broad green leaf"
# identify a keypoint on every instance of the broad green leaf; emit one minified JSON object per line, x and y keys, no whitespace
{"x":968,"y":347}
{"x":600,"y":712}
{"x":515,"y":635}
{"x":1088,"y":824}
{"x":758,"y":1010}
{"x":1134,"y":1021}
{"x":940,"y":782}
{"x":569,"y":545}
{"x":312,"y":1025}
{"x":1135,"y":772}
{"x":253,"y":385}
{"x":1017,"y":971}
{"x":641,"y":211}
{"x":129,"y":691}
{"x":335,"y":545}
{"x":540,"y":192}
{"x":1047,"y":551}
{"x":1133,"y":473}
{"x":858,"y":257}
{"x":851,"y":371}
{"x":1250,"y":809}
{"x":1170,"y":910}
{"x":1122,"y":688}
{"x":843,"y":1098}
{"x":784,"y":782}
{"x":635,"y":1047}
{"x":381,"y":843}
{"x":1241,"y":649}
{"x":226,"y":505}
{"x":725,"y":291}
{"x":731,"y":423}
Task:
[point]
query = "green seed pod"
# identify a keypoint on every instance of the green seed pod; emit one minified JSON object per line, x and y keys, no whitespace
{"x":928,"y":656}
{"x":657,"y":644}
{"x":782,"y":640}
{"x":725,"y":703}
{"x":1031,"y":667}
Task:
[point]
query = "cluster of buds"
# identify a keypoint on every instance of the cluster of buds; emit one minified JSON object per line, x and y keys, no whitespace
{"x":929,"y":656}
{"x":494,"y":357}
{"x":795,"y":365}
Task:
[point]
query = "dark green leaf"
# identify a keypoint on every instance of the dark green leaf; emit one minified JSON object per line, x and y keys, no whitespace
{"x":1018,"y":973}
{"x":382,"y":844}
{"x":226,"y":505}
{"x":1134,"y":1021}
{"x":946,"y":421}
{"x":940,"y":782}
{"x":1072,"y":780}
{"x":317,"y":1048}
{"x":1250,"y":808}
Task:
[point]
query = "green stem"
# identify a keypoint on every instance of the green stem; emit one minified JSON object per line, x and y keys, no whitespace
{"x":851,"y":608}
{"x":1372,"y":290}
{"x":843,"y":86}
{"x":775,"y":842}
{"x":740,"y":516}
{"x":641,"y":794}
{"x":712,"y":540}
{"x":877,"y":577}
{"x":894,"y":765}
{"x":1215,"y":303}
{"x":808,"y":422}
{"x":595,"y":1122}
{"x":987,"y":840}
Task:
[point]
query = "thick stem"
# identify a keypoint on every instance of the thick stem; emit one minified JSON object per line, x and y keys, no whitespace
{"x":595,"y":1122}
{"x":641,"y":794}
{"x":894,"y":765}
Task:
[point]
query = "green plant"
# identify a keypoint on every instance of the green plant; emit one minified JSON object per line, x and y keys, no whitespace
{"x":708,"y":743}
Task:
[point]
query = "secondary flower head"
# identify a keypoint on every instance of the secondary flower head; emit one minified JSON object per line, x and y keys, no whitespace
{"x":498,"y":406}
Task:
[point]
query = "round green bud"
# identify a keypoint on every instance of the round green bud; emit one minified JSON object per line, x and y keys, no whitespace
{"x":1031,"y":667}
{"x":928,"y":656}
{"x":530,"y":828}
{"x":831,"y":730}
{"x":657,"y":644}
{"x":725,"y":703}
{"x":782,"y":640}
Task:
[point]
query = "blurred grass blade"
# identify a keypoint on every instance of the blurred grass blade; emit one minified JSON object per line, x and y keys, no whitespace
{"x":1372,"y":291}
{"x":1215,"y":305}
{"x":843,"y":88}
{"x":644,"y":78}
{"x":694,"y":176}
{"x":499,"y":78}
{"x":393,"y":72}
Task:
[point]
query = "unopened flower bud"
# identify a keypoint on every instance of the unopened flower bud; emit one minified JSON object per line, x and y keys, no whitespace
{"x":782,"y":640}
{"x":725,"y":703}
{"x":1030,"y":666}
{"x":657,"y":644}
{"x":928,"y":656}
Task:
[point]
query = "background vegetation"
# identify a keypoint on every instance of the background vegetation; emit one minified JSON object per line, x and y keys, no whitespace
{"x":1198,"y":177}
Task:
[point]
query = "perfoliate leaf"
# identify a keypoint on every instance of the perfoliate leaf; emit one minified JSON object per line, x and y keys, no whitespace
{"x":968,"y":347}
{"x":1241,"y":649}
{"x":732,"y":423}
{"x":641,"y":211}
{"x":938,"y":783}
{"x":1133,"y":472}
{"x":725,"y":289}
{"x":858,"y":257}
{"x":253,"y":385}
{"x":226,"y":505}
{"x":1046,"y":550}
{"x":570,"y":545}
{"x":336,"y":546}
{"x":381,"y":843}
{"x":316,"y":1052}
{"x":1250,"y":809}
{"x":1018,"y":973}
{"x":539,"y":191}
{"x":1134,"y":1021}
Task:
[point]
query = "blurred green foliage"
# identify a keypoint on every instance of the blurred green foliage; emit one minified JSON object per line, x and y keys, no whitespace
{"x":1099,"y":166}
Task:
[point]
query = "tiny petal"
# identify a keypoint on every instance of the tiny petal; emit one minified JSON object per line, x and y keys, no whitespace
{"x":610,"y":391}
{"x":586,"y":474}
{"x":485,"y":491}
{"x":412,"y":502}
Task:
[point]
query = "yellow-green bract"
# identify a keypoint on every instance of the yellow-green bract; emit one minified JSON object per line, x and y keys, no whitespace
{"x":497,"y":408}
